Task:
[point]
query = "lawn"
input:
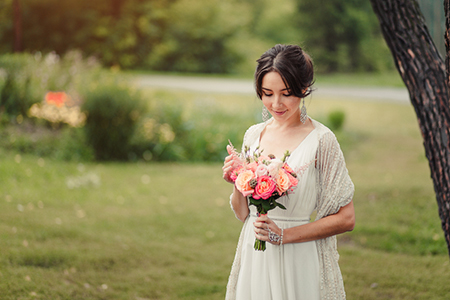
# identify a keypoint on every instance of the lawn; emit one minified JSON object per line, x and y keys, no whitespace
{"x":149,"y":230}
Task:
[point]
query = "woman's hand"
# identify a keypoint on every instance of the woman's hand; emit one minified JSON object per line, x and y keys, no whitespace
{"x":265,"y":226}
{"x":229,"y":164}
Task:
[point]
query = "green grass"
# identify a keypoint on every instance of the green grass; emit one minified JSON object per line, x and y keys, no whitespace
{"x":165,"y":230}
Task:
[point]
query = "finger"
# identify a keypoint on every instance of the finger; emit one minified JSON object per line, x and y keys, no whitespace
{"x":260,"y":232}
{"x":229,"y":149}
{"x":260,"y":225}
{"x":263,"y":219}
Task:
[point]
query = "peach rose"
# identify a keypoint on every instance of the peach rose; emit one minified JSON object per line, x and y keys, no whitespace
{"x":265,"y":187}
{"x":243,"y":182}
{"x":283,"y":182}
{"x":288,"y":168}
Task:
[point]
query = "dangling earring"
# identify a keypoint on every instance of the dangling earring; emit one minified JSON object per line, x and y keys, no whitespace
{"x":303,"y":115}
{"x":265,"y":114}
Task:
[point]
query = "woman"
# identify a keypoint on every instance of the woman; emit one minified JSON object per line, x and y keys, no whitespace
{"x":301,"y":260}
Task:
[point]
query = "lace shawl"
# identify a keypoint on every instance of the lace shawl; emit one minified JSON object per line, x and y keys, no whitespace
{"x":335,"y":190}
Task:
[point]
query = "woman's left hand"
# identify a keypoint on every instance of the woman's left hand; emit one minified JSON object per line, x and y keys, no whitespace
{"x":265,"y":226}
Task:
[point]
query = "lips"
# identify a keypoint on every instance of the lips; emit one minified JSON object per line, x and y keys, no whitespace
{"x":278,"y":113}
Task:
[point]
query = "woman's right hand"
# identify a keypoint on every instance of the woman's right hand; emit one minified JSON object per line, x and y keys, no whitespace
{"x":229,"y":164}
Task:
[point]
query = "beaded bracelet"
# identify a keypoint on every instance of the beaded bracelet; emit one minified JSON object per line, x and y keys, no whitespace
{"x":281,"y":240}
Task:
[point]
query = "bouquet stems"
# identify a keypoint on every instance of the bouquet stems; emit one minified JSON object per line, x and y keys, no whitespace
{"x":260,"y":245}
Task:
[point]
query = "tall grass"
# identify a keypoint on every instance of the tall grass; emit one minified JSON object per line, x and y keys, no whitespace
{"x":165,"y":230}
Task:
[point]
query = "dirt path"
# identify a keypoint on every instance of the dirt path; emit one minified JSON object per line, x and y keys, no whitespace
{"x":245,"y":86}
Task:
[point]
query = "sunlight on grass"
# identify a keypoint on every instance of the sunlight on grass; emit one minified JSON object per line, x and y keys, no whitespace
{"x":165,"y":230}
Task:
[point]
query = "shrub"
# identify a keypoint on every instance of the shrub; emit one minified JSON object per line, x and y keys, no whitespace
{"x":336,"y":120}
{"x":113,"y":111}
{"x":19,"y":89}
{"x":63,"y":143}
{"x":173,"y":131}
{"x":25,"y":79}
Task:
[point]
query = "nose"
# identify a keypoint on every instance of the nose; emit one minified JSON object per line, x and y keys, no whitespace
{"x":277,"y":100}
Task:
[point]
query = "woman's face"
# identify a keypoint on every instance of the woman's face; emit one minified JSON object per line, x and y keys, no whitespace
{"x":277,"y":98}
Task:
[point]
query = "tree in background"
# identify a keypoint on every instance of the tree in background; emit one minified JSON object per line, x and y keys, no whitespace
{"x":342,"y":35}
{"x":208,"y":36}
{"x":422,"y":70}
{"x":17,"y":26}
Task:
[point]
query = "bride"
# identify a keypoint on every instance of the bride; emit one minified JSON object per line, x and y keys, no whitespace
{"x":301,"y":260}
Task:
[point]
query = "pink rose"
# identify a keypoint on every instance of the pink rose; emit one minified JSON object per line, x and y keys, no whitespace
{"x":252,"y":166}
{"x":288,"y":168}
{"x":235,"y":173}
{"x":261,"y":170}
{"x":264,"y":188}
{"x":243,"y":182}
{"x":262,"y":158}
{"x":293,"y":180}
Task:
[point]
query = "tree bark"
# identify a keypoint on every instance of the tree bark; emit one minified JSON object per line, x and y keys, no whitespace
{"x":423,"y":72}
{"x":447,"y":41}
{"x":17,"y":26}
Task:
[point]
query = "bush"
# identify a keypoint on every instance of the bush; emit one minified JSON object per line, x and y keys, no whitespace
{"x":174,"y":131}
{"x":336,"y":120}
{"x":26,"y":78}
{"x":64,"y":143}
{"x":113,"y":111}
{"x":18,"y":87}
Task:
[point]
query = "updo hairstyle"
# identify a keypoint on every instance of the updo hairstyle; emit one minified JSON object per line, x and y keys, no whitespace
{"x":294,"y":66}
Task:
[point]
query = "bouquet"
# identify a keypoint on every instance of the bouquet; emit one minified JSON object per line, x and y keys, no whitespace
{"x":263,"y":179}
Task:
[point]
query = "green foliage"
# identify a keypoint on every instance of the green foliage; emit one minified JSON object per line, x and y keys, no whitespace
{"x":62,"y":143}
{"x":208,"y":36}
{"x":176,"y":129}
{"x":18,"y":87}
{"x":25,"y":79}
{"x":113,"y":110}
{"x":343,"y":35}
{"x":336,"y":119}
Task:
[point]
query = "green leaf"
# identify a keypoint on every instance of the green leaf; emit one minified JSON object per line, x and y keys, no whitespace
{"x":280,"y":205}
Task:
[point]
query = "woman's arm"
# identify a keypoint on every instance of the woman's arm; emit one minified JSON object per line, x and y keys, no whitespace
{"x":240,"y":205}
{"x":342,"y":221}
{"x":238,"y":201}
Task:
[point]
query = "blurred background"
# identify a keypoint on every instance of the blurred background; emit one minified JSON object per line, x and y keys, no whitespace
{"x":114,"y":118}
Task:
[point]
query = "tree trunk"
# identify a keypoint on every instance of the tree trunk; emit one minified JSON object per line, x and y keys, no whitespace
{"x":423,"y":72}
{"x":447,"y":40}
{"x":17,"y":13}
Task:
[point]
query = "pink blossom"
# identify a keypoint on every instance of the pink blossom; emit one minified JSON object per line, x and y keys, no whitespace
{"x":235,"y":173}
{"x":252,"y":166}
{"x":262,"y":158}
{"x":261,"y":170}
{"x":264,"y":188}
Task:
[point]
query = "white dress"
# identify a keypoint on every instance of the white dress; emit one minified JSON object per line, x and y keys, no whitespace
{"x":300,"y":270}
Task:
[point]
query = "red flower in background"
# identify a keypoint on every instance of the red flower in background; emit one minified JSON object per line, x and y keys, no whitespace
{"x":56,"y":98}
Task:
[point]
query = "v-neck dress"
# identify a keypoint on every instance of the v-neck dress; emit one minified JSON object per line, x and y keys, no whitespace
{"x":291,"y":271}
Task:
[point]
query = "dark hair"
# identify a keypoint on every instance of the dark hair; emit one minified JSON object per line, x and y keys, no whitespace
{"x":294,"y":66}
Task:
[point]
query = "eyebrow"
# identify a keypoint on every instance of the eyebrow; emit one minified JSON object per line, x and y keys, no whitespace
{"x":263,"y":88}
